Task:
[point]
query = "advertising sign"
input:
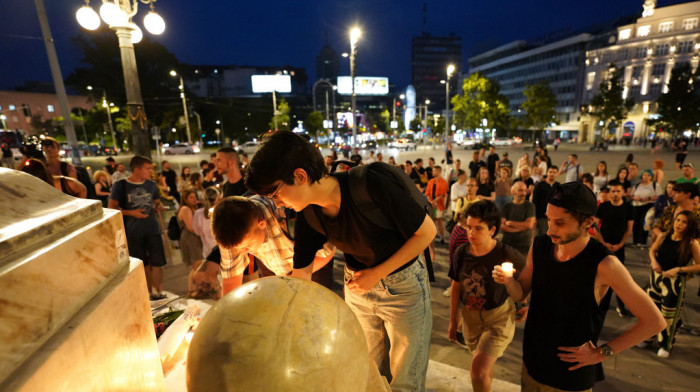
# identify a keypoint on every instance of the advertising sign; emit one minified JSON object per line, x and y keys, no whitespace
{"x":270,"y":83}
{"x":364,"y":85}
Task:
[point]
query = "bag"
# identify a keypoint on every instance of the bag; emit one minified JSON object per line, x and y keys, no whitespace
{"x":372,"y":212}
{"x":649,"y":219}
{"x":174,"y":229}
{"x":83,"y":177}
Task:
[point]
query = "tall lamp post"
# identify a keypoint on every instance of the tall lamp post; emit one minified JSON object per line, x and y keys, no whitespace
{"x":184,"y":105}
{"x":450,"y":70}
{"x":108,"y":108}
{"x":354,"y":37}
{"x":118,"y":14}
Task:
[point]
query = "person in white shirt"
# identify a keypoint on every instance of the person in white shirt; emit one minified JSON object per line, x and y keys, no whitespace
{"x":643,"y":197}
{"x":371,"y":158}
{"x":572,"y":169}
{"x":458,"y":189}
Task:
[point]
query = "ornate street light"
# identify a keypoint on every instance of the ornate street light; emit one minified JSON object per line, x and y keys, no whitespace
{"x":450,"y":70}
{"x":118,"y":15}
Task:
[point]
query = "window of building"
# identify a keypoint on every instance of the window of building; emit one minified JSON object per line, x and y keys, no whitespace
{"x":50,"y":108}
{"x":625,"y":34}
{"x":685,"y":47}
{"x":655,"y":88}
{"x":606,"y":57}
{"x":658,"y":69}
{"x":665,"y":27}
{"x":637,"y":71}
{"x":11,"y":107}
{"x":641,"y":52}
{"x":26,"y":110}
{"x":643,"y":31}
{"x":623,"y":54}
{"x":661,"y":50}
{"x":634,"y":91}
{"x":690,"y":24}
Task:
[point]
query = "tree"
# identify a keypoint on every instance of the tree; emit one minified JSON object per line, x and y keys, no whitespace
{"x":679,"y":108}
{"x":480,"y":100}
{"x":282,"y":116}
{"x":608,"y":104}
{"x":314,"y":123}
{"x":539,"y":106}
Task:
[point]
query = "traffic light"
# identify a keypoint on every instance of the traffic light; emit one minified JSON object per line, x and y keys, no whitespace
{"x":398,"y":104}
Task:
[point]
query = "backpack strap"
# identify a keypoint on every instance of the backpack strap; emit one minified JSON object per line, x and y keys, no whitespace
{"x":64,"y":168}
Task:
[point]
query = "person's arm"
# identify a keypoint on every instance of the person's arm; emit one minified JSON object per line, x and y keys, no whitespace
{"x":517,"y":289}
{"x":98,"y":190}
{"x":695,"y":250}
{"x":114,"y":204}
{"x":232,"y":283}
{"x":365,"y":279}
{"x":517,"y":226}
{"x":454,"y":310}
{"x":72,"y":173}
{"x":564,"y":166}
{"x":185,"y":215}
{"x":652,"y":254}
{"x":76,"y":187}
{"x":613,"y":274}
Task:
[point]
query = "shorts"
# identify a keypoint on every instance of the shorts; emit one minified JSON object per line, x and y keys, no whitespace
{"x":438,"y":213}
{"x":680,"y":158}
{"x":147,"y":248}
{"x":528,"y":384}
{"x":489,"y":331}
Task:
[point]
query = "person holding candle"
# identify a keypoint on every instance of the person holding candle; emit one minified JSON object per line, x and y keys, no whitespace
{"x":568,"y":274}
{"x":487,"y":313}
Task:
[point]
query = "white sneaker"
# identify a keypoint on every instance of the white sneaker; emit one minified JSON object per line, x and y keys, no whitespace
{"x":643,"y":344}
{"x":447,"y":292}
{"x":663,"y":353}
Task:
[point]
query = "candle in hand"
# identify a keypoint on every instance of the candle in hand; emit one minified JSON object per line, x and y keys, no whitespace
{"x":507,"y":269}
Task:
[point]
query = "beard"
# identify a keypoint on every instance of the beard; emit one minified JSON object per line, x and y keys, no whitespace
{"x":569,"y":237}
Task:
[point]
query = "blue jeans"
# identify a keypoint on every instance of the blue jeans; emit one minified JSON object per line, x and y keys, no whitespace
{"x":398,"y":306}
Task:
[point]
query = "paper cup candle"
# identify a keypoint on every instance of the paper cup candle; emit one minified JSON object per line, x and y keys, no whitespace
{"x":507,"y":269}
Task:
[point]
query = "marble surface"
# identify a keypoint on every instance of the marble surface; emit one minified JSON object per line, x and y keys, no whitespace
{"x":278,"y":334}
{"x":109,"y":345}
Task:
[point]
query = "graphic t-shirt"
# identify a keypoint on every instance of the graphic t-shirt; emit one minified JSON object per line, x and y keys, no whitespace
{"x":137,"y":196}
{"x":479,"y":291}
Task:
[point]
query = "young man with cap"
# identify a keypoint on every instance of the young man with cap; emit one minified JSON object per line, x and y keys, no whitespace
{"x":386,"y":281}
{"x":568,"y":274}
{"x":688,"y":171}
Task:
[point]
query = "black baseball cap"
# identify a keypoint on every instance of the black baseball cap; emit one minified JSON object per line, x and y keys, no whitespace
{"x":574,"y":197}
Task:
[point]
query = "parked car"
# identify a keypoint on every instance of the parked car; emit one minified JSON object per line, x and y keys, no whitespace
{"x":404,"y":144}
{"x":502,"y":141}
{"x":249,"y":147}
{"x":475,"y":144}
{"x":180,"y":148}
{"x":368,"y":145}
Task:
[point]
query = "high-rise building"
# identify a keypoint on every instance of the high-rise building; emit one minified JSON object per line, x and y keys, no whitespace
{"x":327,"y":63}
{"x":430,"y":57}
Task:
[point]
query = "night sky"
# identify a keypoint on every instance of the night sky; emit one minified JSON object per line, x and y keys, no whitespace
{"x":222,"y":32}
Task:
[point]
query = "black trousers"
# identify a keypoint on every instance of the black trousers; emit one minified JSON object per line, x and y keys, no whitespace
{"x":639,"y":235}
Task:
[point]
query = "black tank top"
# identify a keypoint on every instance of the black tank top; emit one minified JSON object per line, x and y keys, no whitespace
{"x":563,"y":312}
{"x":668,"y":254}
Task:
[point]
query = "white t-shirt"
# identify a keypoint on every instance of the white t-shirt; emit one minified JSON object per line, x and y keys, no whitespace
{"x":202,"y":227}
{"x":458,"y":190}
{"x":573,"y":172}
{"x":644,"y":191}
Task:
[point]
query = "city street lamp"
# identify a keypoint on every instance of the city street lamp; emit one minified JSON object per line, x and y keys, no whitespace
{"x":450,"y":70}
{"x":354,"y":37}
{"x":184,"y":105}
{"x":109,"y":116}
{"x":118,"y":15}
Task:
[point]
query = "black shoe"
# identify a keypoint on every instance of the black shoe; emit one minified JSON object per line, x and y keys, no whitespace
{"x":459,"y":339}
{"x":624,"y":313}
{"x":157,"y":297}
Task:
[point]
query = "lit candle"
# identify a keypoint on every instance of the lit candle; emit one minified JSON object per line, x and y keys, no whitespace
{"x":507,"y":269}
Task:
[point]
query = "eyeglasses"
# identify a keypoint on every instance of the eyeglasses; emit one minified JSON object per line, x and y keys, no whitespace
{"x":274,"y":195}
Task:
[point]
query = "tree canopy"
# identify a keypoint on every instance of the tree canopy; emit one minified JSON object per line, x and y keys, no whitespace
{"x":608,"y":104}
{"x":480,"y":100}
{"x":539,"y":105}
{"x":679,"y":107}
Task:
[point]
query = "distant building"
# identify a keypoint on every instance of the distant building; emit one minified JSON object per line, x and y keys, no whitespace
{"x":20,"y":107}
{"x":430,"y":57}
{"x":647,"y":49}
{"x":232,"y":81}
{"x":327,"y":63}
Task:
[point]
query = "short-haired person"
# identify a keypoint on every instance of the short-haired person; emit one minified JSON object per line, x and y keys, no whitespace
{"x":245,"y":227}
{"x":436,"y":192}
{"x":572,"y":169}
{"x":568,"y":273}
{"x":540,"y":196}
{"x":518,"y":220}
{"x":386,"y":282}
{"x":227,"y":163}
{"x":486,"y":311}
{"x":615,"y":219}
{"x":171,"y":180}
{"x":458,"y":189}
{"x":475,"y":164}
{"x":688,"y":171}
{"x":138,"y":199}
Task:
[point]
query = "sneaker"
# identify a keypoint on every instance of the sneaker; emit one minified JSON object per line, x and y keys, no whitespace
{"x":644,"y":344}
{"x":447,"y":292}
{"x":157,"y":297}
{"x":460,"y":340}
{"x":663,"y":353}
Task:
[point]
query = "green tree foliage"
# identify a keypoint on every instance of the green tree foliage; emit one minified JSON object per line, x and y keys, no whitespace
{"x":679,"y":108}
{"x":314,"y":123}
{"x":539,"y":106}
{"x":384,"y":123}
{"x":481,"y":99}
{"x":282,"y":116}
{"x":608,"y":104}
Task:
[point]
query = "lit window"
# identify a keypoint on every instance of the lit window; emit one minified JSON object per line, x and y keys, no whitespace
{"x":11,"y":107}
{"x":658,"y":69}
{"x":50,"y":108}
{"x":625,"y":34}
{"x":685,"y":47}
{"x":643,"y":31}
{"x":589,"y":80}
{"x":665,"y":27}
{"x":690,"y":24}
{"x":641,"y":52}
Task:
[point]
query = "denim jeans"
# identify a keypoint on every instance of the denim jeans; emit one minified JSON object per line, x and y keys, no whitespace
{"x":398,"y":306}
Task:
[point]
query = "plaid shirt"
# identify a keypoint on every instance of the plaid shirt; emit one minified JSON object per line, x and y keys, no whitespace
{"x":277,"y":252}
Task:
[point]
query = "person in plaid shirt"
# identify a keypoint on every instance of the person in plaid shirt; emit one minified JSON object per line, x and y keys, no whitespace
{"x":252,"y":227}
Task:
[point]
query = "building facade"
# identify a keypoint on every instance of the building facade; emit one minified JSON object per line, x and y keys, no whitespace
{"x":430,"y":57}
{"x":19,"y":108}
{"x":647,"y":50}
{"x":233,"y":81}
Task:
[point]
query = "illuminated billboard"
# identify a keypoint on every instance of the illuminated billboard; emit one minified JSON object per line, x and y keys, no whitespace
{"x":364,"y":85}
{"x":270,"y":83}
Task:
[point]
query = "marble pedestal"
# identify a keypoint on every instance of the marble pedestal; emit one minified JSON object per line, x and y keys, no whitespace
{"x":74,"y":311}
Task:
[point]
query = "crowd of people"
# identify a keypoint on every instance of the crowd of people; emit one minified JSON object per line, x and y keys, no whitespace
{"x":527,"y":241}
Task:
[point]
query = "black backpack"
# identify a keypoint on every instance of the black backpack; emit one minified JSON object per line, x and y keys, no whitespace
{"x":358,"y":189}
{"x":83,"y":177}
{"x":174,"y":229}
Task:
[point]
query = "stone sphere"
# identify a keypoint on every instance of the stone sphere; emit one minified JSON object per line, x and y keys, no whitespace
{"x":278,"y":334}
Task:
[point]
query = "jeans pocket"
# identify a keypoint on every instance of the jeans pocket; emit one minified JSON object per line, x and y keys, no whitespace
{"x":412,"y":285}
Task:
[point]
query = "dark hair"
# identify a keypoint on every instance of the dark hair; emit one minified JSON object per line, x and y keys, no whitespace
{"x":460,"y":172}
{"x":630,"y":158}
{"x":613,"y":183}
{"x":574,"y":155}
{"x":183,"y":175}
{"x":195,"y":177}
{"x":691,"y":232}
{"x":37,"y":168}
{"x":419,"y":160}
{"x":185,"y":194}
{"x":605,"y":189}
{"x":279,"y":155}
{"x":487,"y":211}
{"x":205,"y":172}
{"x":203,"y":162}
{"x":631,"y":164}
{"x":409,"y":163}
{"x":627,"y":172}
{"x":437,"y":167}
{"x":232,"y":219}
{"x":138,"y":161}
{"x":686,"y":187}
{"x":672,"y":182}
{"x":555,"y":167}
{"x":587,"y":178}
{"x":605,"y":168}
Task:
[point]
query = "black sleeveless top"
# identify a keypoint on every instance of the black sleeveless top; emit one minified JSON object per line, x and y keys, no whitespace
{"x":563,"y":312}
{"x":668,"y":254}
